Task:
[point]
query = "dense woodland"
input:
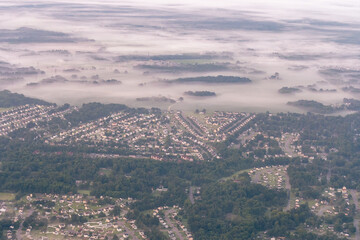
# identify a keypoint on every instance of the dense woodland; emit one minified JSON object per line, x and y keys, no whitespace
{"x":220,"y":79}
{"x":200,"y":93}
{"x":9,"y":99}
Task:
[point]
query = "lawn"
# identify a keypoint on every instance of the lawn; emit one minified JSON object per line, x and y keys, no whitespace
{"x":4,"y":109}
{"x":201,"y":118}
{"x":234,"y":176}
{"x":84,"y":192}
{"x":105,"y":171}
{"x":7,"y":196}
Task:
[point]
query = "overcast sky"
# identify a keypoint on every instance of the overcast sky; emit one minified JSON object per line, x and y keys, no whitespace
{"x":335,"y":10}
{"x":301,"y":40}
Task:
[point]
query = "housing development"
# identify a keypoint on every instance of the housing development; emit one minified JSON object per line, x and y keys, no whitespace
{"x":161,"y":136}
{"x":109,"y":197}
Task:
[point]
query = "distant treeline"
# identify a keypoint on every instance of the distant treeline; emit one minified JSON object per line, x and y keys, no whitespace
{"x":92,"y":111}
{"x":313,"y":106}
{"x":211,"y":79}
{"x":9,"y":99}
{"x":317,"y":107}
{"x":206,"y":67}
{"x":200,"y":93}
{"x":155,"y":99}
{"x":170,"y":57}
{"x":289,"y":90}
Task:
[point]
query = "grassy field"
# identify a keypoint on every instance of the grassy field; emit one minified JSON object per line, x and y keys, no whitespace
{"x":38,"y":235}
{"x":7,"y":196}
{"x":4,"y":109}
{"x":201,"y":118}
{"x":105,"y":171}
{"x":198,"y":116}
{"x":84,"y":192}
{"x":292,"y":199}
{"x":235,"y":175}
{"x":156,"y":193}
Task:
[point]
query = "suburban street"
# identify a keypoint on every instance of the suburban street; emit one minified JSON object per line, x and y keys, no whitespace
{"x":356,"y":219}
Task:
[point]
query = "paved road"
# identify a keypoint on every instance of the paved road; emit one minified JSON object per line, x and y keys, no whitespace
{"x":356,"y":219}
{"x":356,"y":224}
{"x":328,"y":175}
{"x":288,"y":188}
{"x":245,"y":136}
{"x":169,"y":107}
{"x":172,"y":226}
{"x":195,"y":128}
{"x":19,"y":231}
{"x":128,"y":230}
{"x":287,"y":145}
{"x":191,"y":195}
{"x":323,"y":209}
{"x":194,"y":125}
{"x":256,"y":178}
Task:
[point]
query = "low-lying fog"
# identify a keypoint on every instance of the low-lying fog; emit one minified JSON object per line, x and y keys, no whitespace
{"x":111,"y":51}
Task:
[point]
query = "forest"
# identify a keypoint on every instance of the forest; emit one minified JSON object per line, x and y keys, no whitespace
{"x":9,"y":99}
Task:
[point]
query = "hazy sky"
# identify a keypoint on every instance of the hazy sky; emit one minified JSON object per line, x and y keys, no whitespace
{"x":303,"y":41}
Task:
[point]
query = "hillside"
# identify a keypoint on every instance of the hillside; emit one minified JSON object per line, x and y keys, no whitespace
{"x":9,"y":99}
